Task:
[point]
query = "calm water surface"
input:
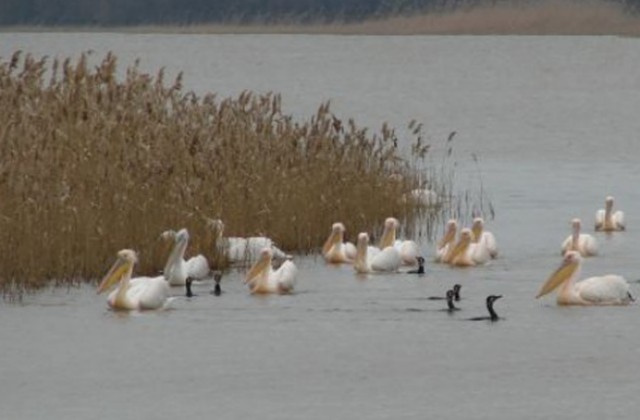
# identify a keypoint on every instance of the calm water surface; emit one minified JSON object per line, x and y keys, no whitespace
{"x":548,"y":126}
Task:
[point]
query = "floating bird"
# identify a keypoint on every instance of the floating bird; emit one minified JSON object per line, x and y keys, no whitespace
{"x":584,"y":243}
{"x":450,"y":305}
{"x":177,"y":269}
{"x":217,"y":290}
{"x":238,"y":250}
{"x":607,"y":220}
{"x":335,"y":250}
{"x":493,"y":316}
{"x":604,"y":290}
{"x":187,"y":284}
{"x":456,"y":294}
{"x":467,"y":254}
{"x":137,"y":293}
{"x":483,"y":237}
{"x":387,"y":260}
{"x":408,"y":249}
{"x":447,"y":243}
{"x":263,"y":279}
{"x":420,"y":269}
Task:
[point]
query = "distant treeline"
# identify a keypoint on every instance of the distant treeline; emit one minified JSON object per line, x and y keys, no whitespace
{"x":152,"y":12}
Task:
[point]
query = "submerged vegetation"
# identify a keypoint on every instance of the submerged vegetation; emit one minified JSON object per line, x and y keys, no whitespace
{"x":90,"y":164}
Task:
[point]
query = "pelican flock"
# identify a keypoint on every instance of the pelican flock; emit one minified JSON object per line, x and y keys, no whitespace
{"x":473,"y":246}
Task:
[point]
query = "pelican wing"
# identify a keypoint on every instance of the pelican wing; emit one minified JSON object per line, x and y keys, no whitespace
{"x":490,"y":242}
{"x":408,"y":252}
{"x":198,"y":267}
{"x":604,"y":290}
{"x":285,"y":277}
{"x":618,"y":220}
{"x":387,"y":260}
{"x":599,"y":219}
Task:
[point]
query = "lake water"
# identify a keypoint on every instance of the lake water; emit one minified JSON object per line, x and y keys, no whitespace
{"x":548,"y":126}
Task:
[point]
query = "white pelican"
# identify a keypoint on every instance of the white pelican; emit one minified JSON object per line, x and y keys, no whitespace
{"x":465,"y":253}
{"x":263,"y":279}
{"x":138,"y":293}
{"x":176,"y":269}
{"x":335,"y":250}
{"x":240,"y":250}
{"x":408,"y":249}
{"x":387,"y":260}
{"x":605,"y":290}
{"x":584,"y":243}
{"x":446,"y":244}
{"x":607,"y":220}
{"x":482,"y":236}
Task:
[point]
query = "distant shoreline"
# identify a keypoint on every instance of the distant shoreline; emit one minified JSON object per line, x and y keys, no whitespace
{"x":546,"y":19}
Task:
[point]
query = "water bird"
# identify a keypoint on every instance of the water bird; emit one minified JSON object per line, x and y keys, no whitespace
{"x":493,"y":316}
{"x":420,"y":269}
{"x":187,"y":284}
{"x":456,"y":294}
{"x":177,"y":269}
{"x":408,"y":249}
{"x":133,"y":294}
{"x":584,"y":243}
{"x":609,"y":289}
{"x":483,"y":237}
{"x":217,"y":290}
{"x":451,"y":307}
{"x":466,"y":253}
{"x":263,"y":279}
{"x":607,"y":220}
{"x":445,"y":246}
{"x":335,"y":250}
{"x":239,"y":250}
{"x":387,"y":260}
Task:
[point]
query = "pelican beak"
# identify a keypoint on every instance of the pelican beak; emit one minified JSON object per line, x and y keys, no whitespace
{"x":459,"y":249}
{"x":447,"y":238}
{"x":119,"y":268}
{"x":332,"y":240}
{"x":562,"y":274}
{"x":258,"y":268}
{"x":477,"y":231}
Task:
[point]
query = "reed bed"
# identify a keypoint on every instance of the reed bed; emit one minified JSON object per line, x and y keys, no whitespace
{"x":90,"y":164}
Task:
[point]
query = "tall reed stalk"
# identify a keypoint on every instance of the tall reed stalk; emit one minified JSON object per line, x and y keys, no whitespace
{"x":90,"y":164}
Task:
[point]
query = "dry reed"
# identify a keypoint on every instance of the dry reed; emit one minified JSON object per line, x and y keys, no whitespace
{"x":90,"y":164}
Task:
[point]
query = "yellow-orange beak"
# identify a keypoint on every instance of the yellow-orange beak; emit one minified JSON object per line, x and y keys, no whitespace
{"x":119,"y":269}
{"x":562,"y":274}
{"x":263,"y":264}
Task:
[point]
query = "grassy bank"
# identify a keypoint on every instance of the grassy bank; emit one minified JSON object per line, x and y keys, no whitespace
{"x":492,"y":17}
{"x":90,"y":164}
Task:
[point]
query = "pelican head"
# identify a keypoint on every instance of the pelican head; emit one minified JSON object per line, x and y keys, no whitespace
{"x":608,"y":202}
{"x":123,"y":266}
{"x":168,"y":235}
{"x":570,"y":264}
{"x":336,"y":237}
{"x":261,"y":266}
{"x":477,"y":228}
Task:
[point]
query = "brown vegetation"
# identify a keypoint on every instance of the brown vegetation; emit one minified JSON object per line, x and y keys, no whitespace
{"x":90,"y":164}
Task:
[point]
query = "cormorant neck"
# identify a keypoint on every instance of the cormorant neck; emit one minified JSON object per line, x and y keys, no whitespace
{"x":450,"y":304}
{"x":217,"y":291}
{"x":188,"y":287}
{"x":494,"y":315}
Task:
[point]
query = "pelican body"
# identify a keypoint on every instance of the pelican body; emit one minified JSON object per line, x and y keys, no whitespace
{"x":603,"y":290}
{"x":607,"y":220}
{"x":445,"y":245}
{"x":584,"y":243}
{"x":263,"y":279}
{"x":483,"y":237}
{"x":386,"y":260}
{"x":335,"y":250}
{"x":408,"y":249}
{"x":133,"y":294}
{"x":238,"y":250}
